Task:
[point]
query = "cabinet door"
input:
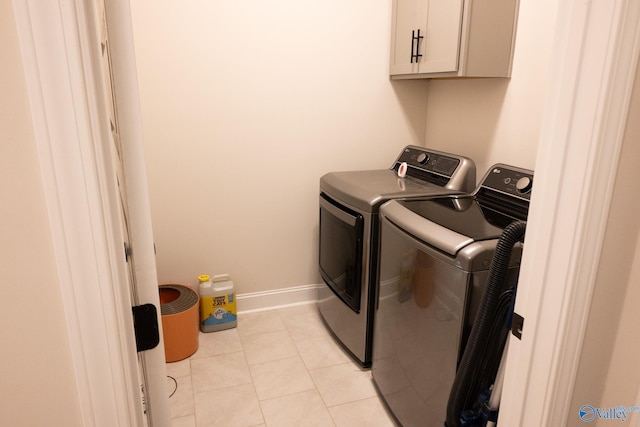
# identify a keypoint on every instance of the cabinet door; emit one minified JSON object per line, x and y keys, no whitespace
{"x":441,"y":45}
{"x":407,"y":16}
{"x":439,"y":25}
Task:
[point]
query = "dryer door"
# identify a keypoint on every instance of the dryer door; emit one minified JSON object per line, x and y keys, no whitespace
{"x":341,"y":245}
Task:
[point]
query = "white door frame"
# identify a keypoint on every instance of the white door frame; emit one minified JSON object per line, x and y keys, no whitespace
{"x":594,"y":67}
{"x":58,"y":41}
{"x":594,"y":63}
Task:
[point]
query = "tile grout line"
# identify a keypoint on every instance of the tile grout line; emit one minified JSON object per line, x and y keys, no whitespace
{"x":286,"y":324}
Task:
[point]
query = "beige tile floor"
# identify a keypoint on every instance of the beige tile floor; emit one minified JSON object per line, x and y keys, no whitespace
{"x":277,"y":368}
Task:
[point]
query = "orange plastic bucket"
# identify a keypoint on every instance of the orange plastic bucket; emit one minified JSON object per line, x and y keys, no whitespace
{"x":180,"y":318}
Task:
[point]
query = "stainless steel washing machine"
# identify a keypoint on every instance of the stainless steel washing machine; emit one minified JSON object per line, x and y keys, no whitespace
{"x":435,"y":255}
{"x":348,"y":255}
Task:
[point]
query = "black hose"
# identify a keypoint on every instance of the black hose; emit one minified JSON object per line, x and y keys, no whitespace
{"x":486,"y":368}
{"x":464,"y":391}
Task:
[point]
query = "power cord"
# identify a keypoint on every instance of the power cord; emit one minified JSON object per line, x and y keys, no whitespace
{"x":176,"y":386}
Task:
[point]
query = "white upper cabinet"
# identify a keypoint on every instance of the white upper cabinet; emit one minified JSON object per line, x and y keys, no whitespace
{"x":452,"y":38}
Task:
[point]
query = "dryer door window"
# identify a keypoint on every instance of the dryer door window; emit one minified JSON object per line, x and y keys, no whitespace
{"x":341,"y":239}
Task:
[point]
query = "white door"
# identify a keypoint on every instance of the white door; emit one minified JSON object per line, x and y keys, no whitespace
{"x":128,"y":164}
{"x":87,"y":146}
{"x":117,"y":164}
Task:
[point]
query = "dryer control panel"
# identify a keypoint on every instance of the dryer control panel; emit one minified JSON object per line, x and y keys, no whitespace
{"x":442,"y":169}
{"x":431,"y":161}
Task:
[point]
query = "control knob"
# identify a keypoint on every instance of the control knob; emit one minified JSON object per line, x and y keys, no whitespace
{"x":523,"y":185}
{"x":422,"y":158}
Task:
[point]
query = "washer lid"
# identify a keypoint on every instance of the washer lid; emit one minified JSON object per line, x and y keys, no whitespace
{"x":366,"y":190}
{"x":446,"y":223}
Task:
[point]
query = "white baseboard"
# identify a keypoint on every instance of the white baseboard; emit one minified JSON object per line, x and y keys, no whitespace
{"x":389,"y":287}
{"x":277,"y":298}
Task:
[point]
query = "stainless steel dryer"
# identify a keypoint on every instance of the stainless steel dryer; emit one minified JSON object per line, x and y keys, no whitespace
{"x":435,"y":255}
{"x":349,"y":204}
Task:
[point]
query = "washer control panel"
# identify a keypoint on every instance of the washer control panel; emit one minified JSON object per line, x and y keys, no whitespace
{"x":509,"y":180}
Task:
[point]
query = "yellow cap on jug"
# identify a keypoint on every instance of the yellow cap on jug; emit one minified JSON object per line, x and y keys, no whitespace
{"x":203,"y":278}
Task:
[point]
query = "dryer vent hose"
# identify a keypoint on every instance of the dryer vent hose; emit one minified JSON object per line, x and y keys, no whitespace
{"x":464,"y":392}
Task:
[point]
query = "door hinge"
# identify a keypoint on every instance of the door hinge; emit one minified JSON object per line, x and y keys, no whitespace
{"x":127,"y":251}
{"x":145,"y":325}
{"x":517,"y":325}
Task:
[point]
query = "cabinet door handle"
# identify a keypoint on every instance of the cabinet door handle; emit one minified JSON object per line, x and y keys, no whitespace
{"x":415,"y":41}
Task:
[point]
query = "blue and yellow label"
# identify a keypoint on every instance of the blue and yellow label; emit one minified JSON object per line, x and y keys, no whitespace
{"x":215,"y":310}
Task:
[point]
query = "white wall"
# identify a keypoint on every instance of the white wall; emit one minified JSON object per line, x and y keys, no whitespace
{"x":498,"y":120}
{"x":38,"y":382}
{"x":245,"y":105}
{"x":288,"y":91}
{"x":622,"y":385}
